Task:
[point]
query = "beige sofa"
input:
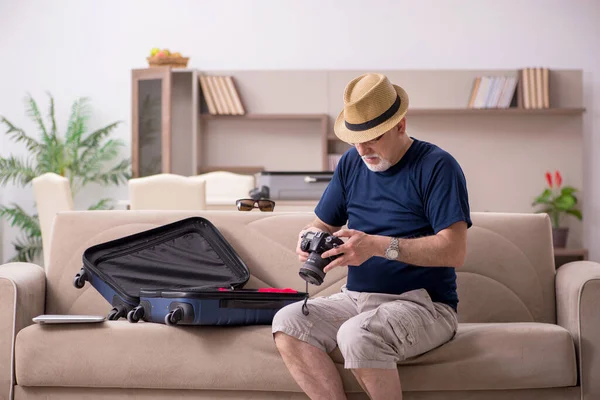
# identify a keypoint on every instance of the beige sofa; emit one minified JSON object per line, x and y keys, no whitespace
{"x":526,"y":331}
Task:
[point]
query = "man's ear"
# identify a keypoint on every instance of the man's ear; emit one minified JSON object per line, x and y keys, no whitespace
{"x":402,"y":125}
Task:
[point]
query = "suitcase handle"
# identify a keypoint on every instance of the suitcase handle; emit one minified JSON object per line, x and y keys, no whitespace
{"x":256,"y":304}
{"x":314,"y":179}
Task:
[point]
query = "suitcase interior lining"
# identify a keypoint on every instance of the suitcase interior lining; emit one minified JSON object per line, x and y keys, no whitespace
{"x":190,"y":253}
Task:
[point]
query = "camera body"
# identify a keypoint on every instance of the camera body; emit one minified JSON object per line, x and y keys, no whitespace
{"x":315,"y":244}
{"x":259,"y":193}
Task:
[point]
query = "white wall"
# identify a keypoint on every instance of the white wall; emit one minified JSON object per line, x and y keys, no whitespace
{"x":73,"y":48}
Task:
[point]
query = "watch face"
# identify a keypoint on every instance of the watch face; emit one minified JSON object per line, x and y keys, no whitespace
{"x":392,"y":254}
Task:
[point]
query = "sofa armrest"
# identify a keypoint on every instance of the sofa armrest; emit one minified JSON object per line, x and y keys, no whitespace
{"x":22,"y":297}
{"x":577,"y":310}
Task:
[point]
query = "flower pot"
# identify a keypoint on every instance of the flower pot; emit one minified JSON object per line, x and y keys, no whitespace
{"x":559,"y":237}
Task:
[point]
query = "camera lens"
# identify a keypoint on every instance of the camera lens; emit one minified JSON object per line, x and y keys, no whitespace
{"x":311,"y":276}
{"x":312,"y":270}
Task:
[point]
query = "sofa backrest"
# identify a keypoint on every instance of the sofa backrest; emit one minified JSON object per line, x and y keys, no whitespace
{"x":508,"y":274}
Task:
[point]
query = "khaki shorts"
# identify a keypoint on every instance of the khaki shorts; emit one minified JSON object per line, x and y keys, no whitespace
{"x":372,"y":330}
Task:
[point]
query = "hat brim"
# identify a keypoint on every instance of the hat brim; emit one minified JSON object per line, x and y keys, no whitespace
{"x":349,"y":136}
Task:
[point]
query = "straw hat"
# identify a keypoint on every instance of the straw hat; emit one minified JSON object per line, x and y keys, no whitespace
{"x":372,"y":106}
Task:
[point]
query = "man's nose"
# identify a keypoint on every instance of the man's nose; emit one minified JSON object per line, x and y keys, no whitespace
{"x":361,"y":148}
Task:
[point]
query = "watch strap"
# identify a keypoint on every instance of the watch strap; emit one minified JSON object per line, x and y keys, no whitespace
{"x":393,"y":246}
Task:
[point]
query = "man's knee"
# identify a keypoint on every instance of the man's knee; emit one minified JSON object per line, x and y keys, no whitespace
{"x":363,"y":348}
{"x":350,"y":334}
{"x":318,"y":328}
{"x":290,"y":315}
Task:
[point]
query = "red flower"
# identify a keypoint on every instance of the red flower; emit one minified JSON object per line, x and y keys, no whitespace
{"x":549,"y":178}
{"x":558,"y":179}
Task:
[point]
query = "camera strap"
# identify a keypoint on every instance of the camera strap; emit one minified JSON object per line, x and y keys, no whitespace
{"x":305,"y":305}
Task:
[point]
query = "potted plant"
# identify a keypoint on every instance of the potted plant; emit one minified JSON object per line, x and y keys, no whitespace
{"x":557,"y":201}
{"x":82,"y":156}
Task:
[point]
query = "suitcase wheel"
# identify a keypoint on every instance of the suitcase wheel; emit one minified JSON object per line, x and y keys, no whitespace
{"x":80,"y":278}
{"x":174,"y":316}
{"x":116,"y":313}
{"x":135,"y":314}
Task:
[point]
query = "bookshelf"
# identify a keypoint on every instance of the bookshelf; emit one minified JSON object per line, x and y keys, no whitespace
{"x":289,"y":115}
{"x":495,"y":111}
{"x":267,"y":116}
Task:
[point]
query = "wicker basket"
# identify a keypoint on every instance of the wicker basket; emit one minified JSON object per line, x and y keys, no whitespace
{"x":168,"y":61}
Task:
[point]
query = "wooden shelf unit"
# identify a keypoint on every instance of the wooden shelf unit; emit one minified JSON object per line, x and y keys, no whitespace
{"x":494,"y":111}
{"x":292,"y":112}
{"x":571,"y":252}
{"x":566,"y":255}
{"x":267,"y":116}
{"x":266,"y":128}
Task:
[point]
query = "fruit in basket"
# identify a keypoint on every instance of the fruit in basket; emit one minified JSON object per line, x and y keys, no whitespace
{"x":164,"y":57}
{"x":158,"y":53}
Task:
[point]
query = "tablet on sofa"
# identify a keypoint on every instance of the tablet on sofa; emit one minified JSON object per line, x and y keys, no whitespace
{"x":67,"y":319}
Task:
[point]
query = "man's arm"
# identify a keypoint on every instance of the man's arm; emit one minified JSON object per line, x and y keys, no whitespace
{"x":447,"y":248}
{"x":320,"y":225}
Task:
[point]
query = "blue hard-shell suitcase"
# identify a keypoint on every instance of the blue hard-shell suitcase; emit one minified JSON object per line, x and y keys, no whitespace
{"x":180,"y":273}
{"x":213,"y":306}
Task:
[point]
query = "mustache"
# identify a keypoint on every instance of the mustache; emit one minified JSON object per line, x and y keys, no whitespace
{"x":370,"y":156}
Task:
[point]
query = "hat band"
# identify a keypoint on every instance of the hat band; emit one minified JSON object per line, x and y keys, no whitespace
{"x":377,"y":120}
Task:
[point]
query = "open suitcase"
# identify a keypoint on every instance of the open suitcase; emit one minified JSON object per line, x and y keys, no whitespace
{"x":180,"y":273}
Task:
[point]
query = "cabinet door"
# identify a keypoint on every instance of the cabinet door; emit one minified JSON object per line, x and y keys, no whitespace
{"x":151,"y":121}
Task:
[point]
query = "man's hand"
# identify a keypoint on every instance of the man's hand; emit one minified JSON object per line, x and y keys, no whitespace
{"x":302,"y":255}
{"x":356,"y":250}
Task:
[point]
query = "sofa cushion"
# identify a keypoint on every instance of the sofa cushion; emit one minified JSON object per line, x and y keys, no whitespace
{"x":494,"y":356}
{"x":145,"y":355}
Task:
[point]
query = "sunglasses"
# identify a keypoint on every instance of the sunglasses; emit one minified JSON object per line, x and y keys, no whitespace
{"x":249,"y":204}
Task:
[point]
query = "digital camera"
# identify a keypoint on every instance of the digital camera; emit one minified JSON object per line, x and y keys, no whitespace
{"x":315,"y":244}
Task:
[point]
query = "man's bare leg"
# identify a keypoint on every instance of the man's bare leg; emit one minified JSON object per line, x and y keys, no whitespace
{"x":311,"y":367}
{"x":379,"y":383}
{"x":361,"y":383}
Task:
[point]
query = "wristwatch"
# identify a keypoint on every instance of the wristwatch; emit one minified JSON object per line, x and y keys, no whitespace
{"x":393,"y":250}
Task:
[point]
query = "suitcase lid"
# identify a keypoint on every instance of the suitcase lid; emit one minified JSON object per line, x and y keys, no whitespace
{"x":183,"y":254}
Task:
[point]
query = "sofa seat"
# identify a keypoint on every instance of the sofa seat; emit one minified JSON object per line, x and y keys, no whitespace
{"x":145,"y":355}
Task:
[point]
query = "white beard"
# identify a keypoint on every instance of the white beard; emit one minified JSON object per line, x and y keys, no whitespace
{"x":382,"y":165}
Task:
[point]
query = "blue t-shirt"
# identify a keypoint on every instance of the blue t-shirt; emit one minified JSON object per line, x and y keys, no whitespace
{"x":423,"y":193}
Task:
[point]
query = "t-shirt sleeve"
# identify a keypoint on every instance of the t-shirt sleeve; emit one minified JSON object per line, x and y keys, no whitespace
{"x":331,"y":208}
{"x":446,"y":199}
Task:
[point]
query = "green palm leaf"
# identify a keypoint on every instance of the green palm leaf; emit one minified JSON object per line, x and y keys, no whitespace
{"x":103,"y":204}
{"x":16,"y":171}
{"x":28,"y":249}
{"x":117,"y":175}
{"x":18,"y":217}
{"x":77,"y":122}
{"x":94,"y":157}
{"x":94,"y":138}
{"x":33,"y":111}
{"x":51,"y":116}
{"x":50,"y":158}
{"x":19,"y":136}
